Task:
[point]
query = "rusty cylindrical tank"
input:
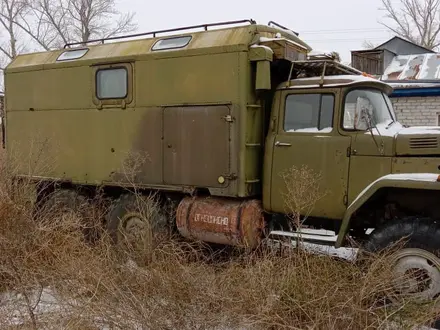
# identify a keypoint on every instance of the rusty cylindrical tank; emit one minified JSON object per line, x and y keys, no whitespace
{"x":220,"y":220}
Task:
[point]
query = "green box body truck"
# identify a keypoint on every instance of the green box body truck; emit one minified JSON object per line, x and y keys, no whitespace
{"x":208,"y":121}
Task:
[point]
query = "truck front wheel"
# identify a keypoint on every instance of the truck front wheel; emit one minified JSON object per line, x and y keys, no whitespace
{"x":416,"y":263}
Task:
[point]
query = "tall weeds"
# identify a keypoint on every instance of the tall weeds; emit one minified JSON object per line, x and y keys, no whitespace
{"x":52,"y":278}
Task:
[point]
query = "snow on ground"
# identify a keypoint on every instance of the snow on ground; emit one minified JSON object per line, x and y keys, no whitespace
{"x":14,"y":307}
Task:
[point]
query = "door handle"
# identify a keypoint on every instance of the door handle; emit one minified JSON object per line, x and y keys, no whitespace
{"x":282,"y":144}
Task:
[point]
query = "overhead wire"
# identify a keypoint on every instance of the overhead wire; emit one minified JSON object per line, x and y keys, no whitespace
{"x":313,"y":33}
{"x":343,"y":40}
{"x":343,"y":31}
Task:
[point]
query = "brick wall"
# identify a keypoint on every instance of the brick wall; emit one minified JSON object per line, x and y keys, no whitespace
{"x":417,"y":111}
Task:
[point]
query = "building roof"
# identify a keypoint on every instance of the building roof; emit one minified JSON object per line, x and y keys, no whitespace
{"x":404,"y":40}
{"x":414,"y":75}
{"x":370,"y":51}
{"x":381,"y":48}
{"x":420,"y":67}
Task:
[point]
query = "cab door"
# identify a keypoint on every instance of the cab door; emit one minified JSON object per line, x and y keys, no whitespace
{"x":306,"y":133}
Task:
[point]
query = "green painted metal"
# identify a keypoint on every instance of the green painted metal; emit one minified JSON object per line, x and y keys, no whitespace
{"x":207,"y":115}
{"x":191,"y":115}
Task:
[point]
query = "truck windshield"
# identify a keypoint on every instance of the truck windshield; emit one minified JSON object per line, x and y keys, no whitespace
{"x":382,"y":109}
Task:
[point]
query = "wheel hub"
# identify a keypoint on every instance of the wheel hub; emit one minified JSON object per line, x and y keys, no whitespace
{"x":417,"y":273}
{"x":134,"y":226}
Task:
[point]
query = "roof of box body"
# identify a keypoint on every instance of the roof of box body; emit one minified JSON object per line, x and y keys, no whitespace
{"x":236,"y":38}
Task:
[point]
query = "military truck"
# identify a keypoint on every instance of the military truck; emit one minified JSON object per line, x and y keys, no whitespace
{"x":215,"y":113}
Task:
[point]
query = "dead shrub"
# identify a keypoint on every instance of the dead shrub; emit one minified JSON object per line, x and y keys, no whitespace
{"x":53,"y":278}
{"x":303,"y":190}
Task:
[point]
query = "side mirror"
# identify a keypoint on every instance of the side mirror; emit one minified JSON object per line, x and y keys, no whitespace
{"x":363,"y":114}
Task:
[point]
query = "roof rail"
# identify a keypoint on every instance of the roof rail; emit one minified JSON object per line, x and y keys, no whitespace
{"x":154,"y":33}
{"x":320,"y":68}
{"x":281,"y":27}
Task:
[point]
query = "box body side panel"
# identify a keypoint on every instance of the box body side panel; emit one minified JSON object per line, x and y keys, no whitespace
{"x":55,"y":130}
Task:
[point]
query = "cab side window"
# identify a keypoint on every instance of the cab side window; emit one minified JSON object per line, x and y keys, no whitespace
{"x":374,"y":101}
{"x":309,"y":113}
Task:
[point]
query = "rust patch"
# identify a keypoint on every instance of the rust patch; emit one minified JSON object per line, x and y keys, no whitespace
{"x":221,"y":221}
{"x":413,"y":67}
{"x":394,"y":75}
{"x":416,"y":70}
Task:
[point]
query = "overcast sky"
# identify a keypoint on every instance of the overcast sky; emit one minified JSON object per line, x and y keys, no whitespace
{"x":340,"y":25}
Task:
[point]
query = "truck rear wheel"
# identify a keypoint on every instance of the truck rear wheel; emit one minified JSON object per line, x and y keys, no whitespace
{"x":418,"y":259}
{"x":63,"y":201}
{"x":137,"y":223}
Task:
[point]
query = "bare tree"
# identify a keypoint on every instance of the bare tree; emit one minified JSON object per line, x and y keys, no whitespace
{"x":10,"y":10}
{"x":415,"y":20}
{"x":42,"y":21}
{"x":52,"y":23}
{"x":368,"y":44}
{"x":48,"y":24}
{"x":93,"y":18}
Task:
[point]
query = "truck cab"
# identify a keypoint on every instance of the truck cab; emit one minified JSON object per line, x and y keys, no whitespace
{"x":317,"y":123}
{"x":367,"y":178}
{"x":343,"y":128}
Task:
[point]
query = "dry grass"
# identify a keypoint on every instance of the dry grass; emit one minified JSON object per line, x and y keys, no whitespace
{"x":303,"y":191}
{"x":45,"y":257}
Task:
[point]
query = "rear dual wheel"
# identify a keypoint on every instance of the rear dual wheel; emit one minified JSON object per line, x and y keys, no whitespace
{"x":69,"y":201}
{"x":137,"y":224}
